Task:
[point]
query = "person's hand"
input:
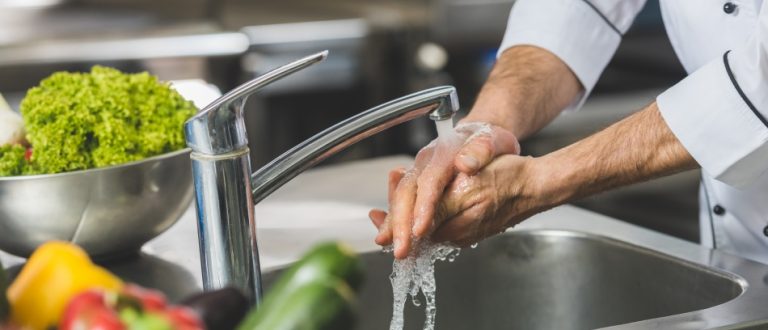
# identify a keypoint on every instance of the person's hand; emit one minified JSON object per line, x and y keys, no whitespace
{"x":503,"y":194}
{"x":413,"y":194}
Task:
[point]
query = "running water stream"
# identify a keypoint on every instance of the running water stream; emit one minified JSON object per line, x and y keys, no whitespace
{"x":417,"y":272}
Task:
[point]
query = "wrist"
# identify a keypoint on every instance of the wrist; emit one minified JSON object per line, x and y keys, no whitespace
{"x":550,"y":181}
{"x":497,"y":106}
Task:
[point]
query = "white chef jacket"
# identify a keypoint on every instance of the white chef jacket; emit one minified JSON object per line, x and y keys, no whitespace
{"x":718,"y":112}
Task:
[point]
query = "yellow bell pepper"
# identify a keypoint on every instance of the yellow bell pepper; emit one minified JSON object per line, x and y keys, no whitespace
{"x":54,"y":273}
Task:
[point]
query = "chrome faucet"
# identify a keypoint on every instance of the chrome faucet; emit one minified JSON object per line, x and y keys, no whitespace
{"x":226,"y":191}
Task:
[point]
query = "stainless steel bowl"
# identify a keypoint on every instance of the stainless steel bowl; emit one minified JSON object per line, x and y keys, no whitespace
{"x":108,"y":211}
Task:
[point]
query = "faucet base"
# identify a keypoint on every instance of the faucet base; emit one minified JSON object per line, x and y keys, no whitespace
{"x":228,"y":247}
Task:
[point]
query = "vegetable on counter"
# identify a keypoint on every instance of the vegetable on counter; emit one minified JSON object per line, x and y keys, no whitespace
{"x":77,"y":121}
{"x":133,"y":308}
{"x":316,"y":293}
{"x":60,"y":288}
{"x":13,"y":160}
{"x":90,"y":310}
{"x":219,"y":309}
{"x":327,"y":304}
{"x":52,"y":276}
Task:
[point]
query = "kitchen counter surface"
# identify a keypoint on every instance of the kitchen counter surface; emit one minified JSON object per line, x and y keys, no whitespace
{"x":330,"y":203}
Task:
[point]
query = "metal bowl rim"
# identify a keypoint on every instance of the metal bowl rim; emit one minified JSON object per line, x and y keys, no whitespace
{"x":98,"y":169}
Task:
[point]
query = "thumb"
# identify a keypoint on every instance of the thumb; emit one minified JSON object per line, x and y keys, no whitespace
{"x":480,"y":150}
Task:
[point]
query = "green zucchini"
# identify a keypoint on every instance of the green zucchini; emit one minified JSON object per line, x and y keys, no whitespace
{"x":320,"y":305}
{"x":5,"y":307}
{"x":331,"y":267}
{"x":325,"y":259}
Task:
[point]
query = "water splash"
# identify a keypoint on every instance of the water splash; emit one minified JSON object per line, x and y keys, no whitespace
{"x":415,"y":274}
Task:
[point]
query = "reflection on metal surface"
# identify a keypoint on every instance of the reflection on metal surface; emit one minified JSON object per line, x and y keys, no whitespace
{"x":632,"y":256}
{"x":306,"y":31}
{"x":438,"y":102}
{"x":108,"y":211}
{"x":546,"y":279}
{"x":221,"y":172}
{"x":65,"y":51}
{"x":29,"y":3}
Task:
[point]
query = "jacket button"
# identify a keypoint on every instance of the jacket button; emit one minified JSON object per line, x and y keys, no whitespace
{"x":719,"y":210}
{"x":765,"y":231}
{"x":729,"y":7}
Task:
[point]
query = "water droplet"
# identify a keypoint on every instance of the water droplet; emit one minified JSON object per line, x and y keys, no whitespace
{"x":416,"y":275}
{"x":416,"y":301}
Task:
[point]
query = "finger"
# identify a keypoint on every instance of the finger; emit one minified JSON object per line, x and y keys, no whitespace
{"x":431,"y":184}
{"x":401,"y":215}
{"x":377,"y":217}
{"x":394,"y":178}
{"x":424,"y":157}
{"x":475,"y":154}
{"x":400,"y":218}
{"x":506,"y":142}
{"x":479,"y":151}
{"x":380,"y":220}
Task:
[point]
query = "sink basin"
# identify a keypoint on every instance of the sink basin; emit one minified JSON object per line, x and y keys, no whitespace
{"x":558,"y":270}
{"x":557,"y":279}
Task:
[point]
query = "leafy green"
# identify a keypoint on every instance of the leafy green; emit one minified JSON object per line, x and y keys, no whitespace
{"x":77,"y":121}
{"x":12,"y":160}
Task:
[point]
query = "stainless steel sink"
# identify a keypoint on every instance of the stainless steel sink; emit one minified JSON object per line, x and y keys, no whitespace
{"x":556,"y":279}
{"x":555,"y":271}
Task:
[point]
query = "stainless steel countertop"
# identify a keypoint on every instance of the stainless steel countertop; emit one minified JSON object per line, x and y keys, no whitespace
{"x":93,"y":33}
{"x":321,"y":204}
{"x":331,"y":203}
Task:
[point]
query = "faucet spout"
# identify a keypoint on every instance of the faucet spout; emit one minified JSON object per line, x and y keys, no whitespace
{"x":220,"y":128}
{"x":440,"y":103}
{"x":226,"y":191}
{"x":221,"y":170}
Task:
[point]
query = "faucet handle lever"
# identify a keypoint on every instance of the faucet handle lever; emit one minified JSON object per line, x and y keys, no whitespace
{"x":219,"y":128}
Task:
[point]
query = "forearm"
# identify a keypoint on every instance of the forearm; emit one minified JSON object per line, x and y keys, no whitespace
{"x":527,"y":88}
{"x":638,"y":148}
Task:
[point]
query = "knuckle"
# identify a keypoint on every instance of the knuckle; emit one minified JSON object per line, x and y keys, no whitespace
{"x":480,"y":148}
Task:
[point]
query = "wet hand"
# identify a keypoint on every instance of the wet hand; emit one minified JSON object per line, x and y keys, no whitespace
{"x":413,"y":194}
{"x":501,"y":195}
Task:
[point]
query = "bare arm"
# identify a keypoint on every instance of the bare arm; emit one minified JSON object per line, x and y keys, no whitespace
{"x":513,"y":188}
{"x":638,"y":148}
{"x":527,"y":88}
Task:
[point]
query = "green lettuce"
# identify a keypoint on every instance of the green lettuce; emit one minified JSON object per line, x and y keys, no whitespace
{"x":77,"y":121}
{"x":12,"y":160}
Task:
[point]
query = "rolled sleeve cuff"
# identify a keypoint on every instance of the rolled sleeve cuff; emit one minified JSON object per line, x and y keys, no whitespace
{"x":572,"y":30}
{"x":716,"y":126}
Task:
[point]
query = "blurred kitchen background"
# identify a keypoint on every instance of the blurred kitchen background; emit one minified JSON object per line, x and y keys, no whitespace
{"x":379,"y":50}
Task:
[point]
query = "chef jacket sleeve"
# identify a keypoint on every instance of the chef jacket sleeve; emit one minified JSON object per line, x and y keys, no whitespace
{"x":582,"y":33}
{"x":719,"y":111}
